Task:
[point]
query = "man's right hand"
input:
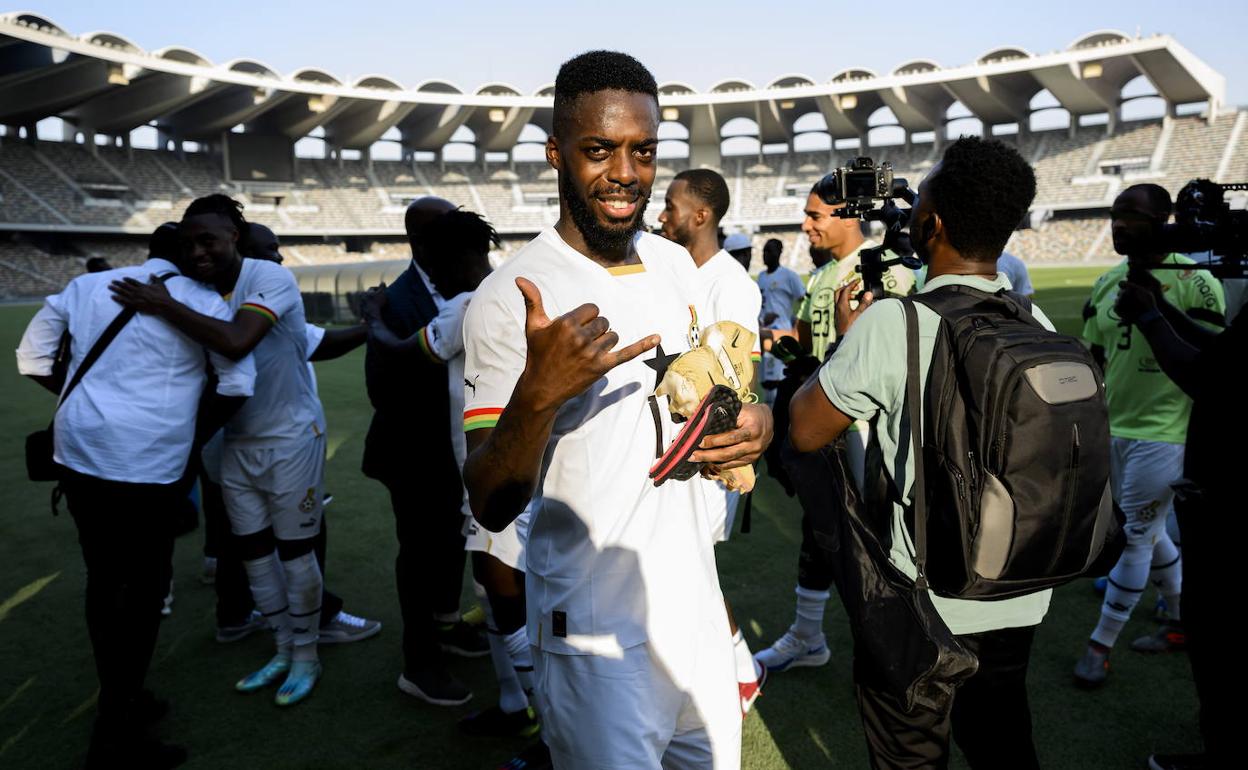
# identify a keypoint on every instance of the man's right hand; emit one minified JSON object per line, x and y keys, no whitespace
{"x":568,"y":354}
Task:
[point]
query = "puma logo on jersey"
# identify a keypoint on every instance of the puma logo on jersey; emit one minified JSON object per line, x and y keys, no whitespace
{"x":472,"y":384}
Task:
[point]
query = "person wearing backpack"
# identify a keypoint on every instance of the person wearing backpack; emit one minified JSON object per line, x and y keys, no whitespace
{"x":1148,"y":416}
{"x":969,"y":204}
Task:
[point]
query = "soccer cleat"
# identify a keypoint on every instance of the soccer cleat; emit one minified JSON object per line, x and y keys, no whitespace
{"x":534,"y":757}
{"x":208,"y":575}
{"x":275,"y":669}
{"x":496,"y":723}
{"x":435,"y":686}
{"x":253,"y":623}
{"x":1093,"y":668}
{"x":1170,"y":638}
{"x":474,"y":616}
{"x":461,"y":639}
{"x":346,"y":627}
{"x":750,"y":691}
{"x":791,"y":650}
{"x":299,"y":683}
{"x":1178,"y":762}
{"x":716,"y":413}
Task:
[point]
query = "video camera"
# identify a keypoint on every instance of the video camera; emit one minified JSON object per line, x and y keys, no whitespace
{"x":1204,"y":221}
{"x":857,"y":187}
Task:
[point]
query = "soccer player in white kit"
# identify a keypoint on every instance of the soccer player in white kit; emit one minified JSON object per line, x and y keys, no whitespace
{"x":696,"y":201}
{"x":272,"y":469}
{"x":633,"y":658}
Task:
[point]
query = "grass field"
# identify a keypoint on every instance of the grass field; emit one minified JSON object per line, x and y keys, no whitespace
{"x":357,"y":718}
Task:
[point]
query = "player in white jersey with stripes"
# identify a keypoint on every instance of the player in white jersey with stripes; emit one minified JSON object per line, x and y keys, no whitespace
{"x":271,"y":474}
{"x":696,"y":201}
{"x":633,"y":660}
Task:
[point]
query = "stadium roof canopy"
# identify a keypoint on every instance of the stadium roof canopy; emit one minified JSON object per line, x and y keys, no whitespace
{"x":101,"y":83}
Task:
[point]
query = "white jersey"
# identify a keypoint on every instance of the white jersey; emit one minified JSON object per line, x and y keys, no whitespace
{"x":285,"y":406}
{"x":442,"y":340}
{"x":613,"y":561}
{"x":730,"y":295}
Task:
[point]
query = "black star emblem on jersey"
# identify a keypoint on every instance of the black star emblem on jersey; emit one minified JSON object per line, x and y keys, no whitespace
{"x":660,"y":363}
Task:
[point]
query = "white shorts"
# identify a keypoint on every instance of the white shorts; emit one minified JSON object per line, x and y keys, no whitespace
{"x":1140,"y":474}
{"x":724,"y":518}
{"x":506,"y":546}
{"x":626,"y":713}
{"x":278,"y":486}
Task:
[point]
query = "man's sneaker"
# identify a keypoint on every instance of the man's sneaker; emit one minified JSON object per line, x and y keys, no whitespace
{"x":535,"y":757}
{"x":346,"y":627}
{"x":750,"y":691}
{"x":792,"y":650}
{"x":461,"y":639}
{"x":270,"y":673}
{"x":1170,"y":638}
{"x":435,"y":686}
{"x":252,"y":624}
{"x":299,"y":683}
{"x":208,"y":575}
{"x":1093,"y":668}
{"x":474,"y":616}
{"x":496,"y":723}
{"x":1178,"y":762}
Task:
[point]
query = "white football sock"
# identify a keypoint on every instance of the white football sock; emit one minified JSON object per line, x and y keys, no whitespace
{"x":303,"y":590}
{"x":521,"y":655}
{"x":511,"y":697}
{"x":1167,"y":575}
{"x":810,"y":606}
{"x":747,"y":668}
{"x":268,"y":591}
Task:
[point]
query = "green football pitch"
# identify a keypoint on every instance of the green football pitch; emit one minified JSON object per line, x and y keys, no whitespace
{"x":357,"y":718}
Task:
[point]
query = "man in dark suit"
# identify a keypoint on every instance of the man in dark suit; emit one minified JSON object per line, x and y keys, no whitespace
{"x":408,"y":448}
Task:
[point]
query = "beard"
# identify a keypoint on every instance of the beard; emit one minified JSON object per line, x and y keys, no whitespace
{"x":821,"y":257}
{"x":601,"y":239}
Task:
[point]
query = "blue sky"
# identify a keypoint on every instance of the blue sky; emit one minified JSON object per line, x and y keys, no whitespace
{"x":470,"y":43}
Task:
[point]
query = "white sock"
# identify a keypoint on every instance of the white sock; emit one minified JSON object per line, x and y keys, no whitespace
{"x":448,"y":618}
{"x":511,"y":697}
{"x":268,"y":591}
{"x":1167,"y":575}
{"x":747,"y":669}
{"x":810,"y":606}
{"x":303,"y":590}
{"x":521,"y":654}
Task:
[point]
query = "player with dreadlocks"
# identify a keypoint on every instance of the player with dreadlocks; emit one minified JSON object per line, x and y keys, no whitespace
{"x":271,"y":474}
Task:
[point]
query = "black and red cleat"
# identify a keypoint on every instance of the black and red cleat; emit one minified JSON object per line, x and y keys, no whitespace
{"x":716,"y":414}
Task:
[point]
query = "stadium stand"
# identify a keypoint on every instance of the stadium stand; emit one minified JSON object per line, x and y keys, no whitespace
{"x":104,"y":197}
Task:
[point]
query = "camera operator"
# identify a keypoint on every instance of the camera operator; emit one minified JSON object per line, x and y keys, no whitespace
{"x":1210,"y":369}
{"x":968,"y":206}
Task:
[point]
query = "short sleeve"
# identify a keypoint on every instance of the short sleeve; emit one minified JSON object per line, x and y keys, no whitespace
{"x":36,"y":353}
{"x":867,"y":373}
{"x":314,"y":336}
{"x":1204,"y":299}
{"x":495,"y":349}
{"x":444,"y":335}
{"x":796,"y":288}
{"x":234,"y":378}
{"x":1023,"y":283}
{"x":273,"y":293}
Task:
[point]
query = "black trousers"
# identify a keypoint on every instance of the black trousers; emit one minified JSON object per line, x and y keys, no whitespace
{"x":990,"y":720}
{"x":1213,"y":537}
{"x":234,"y":602}
{"x":429,"y":570}
{"x":126,"y":534}
{"x":808,"y":472}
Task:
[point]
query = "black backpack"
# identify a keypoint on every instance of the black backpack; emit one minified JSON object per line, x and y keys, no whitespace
{"x":1013,"y":492}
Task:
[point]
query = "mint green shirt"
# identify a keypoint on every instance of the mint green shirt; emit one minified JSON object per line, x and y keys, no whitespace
{"x":867,"y":376}
{"x":1144,"y":403}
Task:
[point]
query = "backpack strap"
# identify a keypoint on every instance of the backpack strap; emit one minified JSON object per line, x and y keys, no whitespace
{"x":914,"y":413}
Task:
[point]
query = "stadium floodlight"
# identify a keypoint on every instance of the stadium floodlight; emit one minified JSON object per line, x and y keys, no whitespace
{"x":498,"y":115}
{"x":849,"y":102}
{"x":788,"y":104}
{"x":1092,"y":70}
{"x":671,"y":114}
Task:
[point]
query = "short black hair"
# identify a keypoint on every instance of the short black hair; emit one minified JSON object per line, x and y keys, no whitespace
{"x":164,"y":242}
{"x":595,"y":71}
{"x":460,"y":232}
{"x":709,"y":187}
{"x":773,"y":243}
{"x":224,"y":206}
{"x":981,"y":194}
{"x":1158,"y":197}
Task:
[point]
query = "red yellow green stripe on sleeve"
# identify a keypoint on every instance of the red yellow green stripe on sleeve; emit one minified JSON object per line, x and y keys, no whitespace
{"x":481,"y":418}
{"x":756,"y":357}
{"x":261,"y":309}
{"x":425,"y":347}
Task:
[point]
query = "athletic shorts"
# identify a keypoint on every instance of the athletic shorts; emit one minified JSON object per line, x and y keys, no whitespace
{"x":278,"y":486}
{"x":506,"y":546}
{"x":1141,"y":473}
{"x":626,"y":713}
{"x":724,"y":518}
